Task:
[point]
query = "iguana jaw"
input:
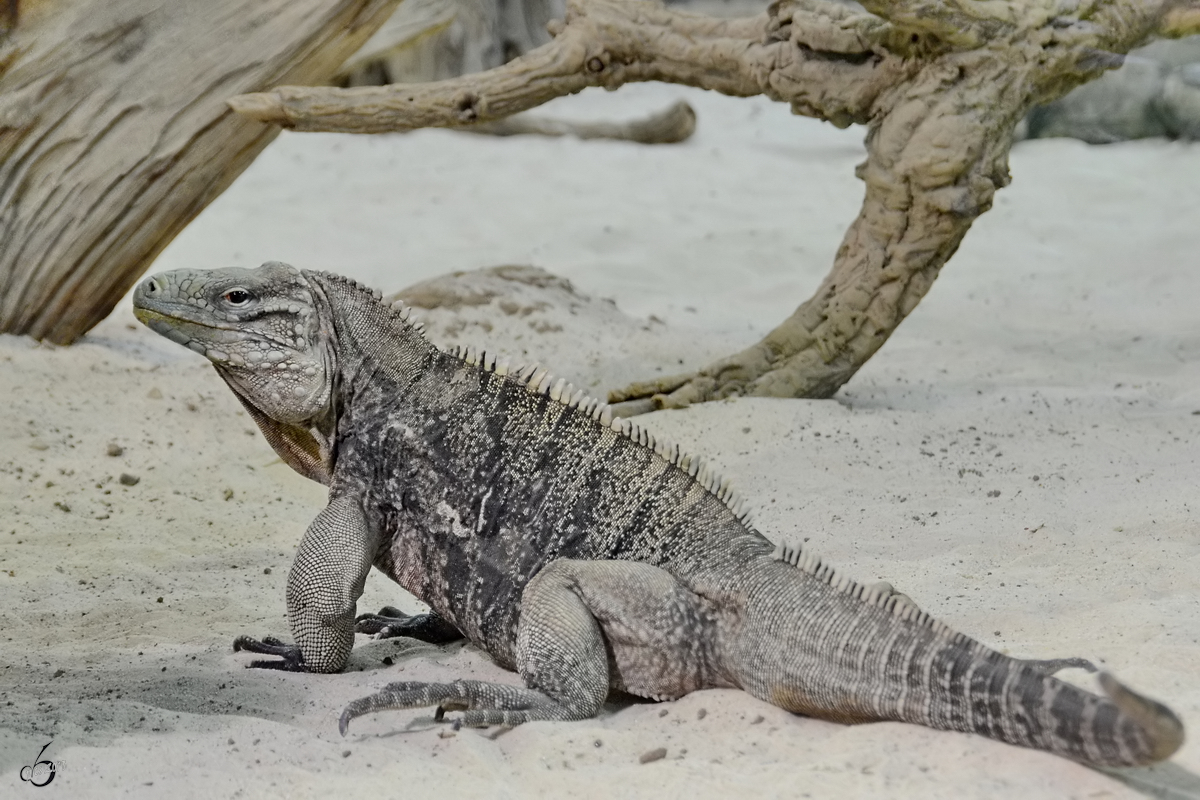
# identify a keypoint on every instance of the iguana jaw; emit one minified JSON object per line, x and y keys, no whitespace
{"x":174,"y":328}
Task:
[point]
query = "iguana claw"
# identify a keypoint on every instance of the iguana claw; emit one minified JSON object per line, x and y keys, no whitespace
{"x":439,"y":715}
{"x":292,"y":658}
{"x":391,"y":622}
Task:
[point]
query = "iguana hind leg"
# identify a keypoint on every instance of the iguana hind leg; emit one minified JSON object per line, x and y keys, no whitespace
{"x":560,"y":654}
{"x":578,"y":618}
{"x":482,"y":703}
{"x":662,"y":637}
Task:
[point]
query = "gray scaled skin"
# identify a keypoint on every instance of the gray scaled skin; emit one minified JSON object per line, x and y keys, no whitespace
{"x":573,"y":547}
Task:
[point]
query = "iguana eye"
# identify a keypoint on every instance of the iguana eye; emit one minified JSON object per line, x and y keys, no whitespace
{"x":237,"y":297}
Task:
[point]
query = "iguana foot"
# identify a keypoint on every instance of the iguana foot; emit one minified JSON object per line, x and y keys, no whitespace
{"x":482,"y":704}
{"x":391,"y":622}
{"x":293,"y":659}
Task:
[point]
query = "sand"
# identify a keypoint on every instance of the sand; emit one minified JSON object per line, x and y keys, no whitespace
{"x":1020,"y":458}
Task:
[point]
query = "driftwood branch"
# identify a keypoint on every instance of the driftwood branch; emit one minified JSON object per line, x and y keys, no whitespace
{"x":941,"y":84}
{"x":603,"y":43}
{"x":1179,"y":20}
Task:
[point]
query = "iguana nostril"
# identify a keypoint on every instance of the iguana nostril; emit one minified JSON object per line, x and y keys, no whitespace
{"x":151,"y":286}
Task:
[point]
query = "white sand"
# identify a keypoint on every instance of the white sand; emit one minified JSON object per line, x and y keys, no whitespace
{"x":1056,"y":362}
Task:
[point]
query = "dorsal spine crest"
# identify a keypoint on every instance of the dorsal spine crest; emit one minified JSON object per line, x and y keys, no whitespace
{"x":538,"y":380}
{"x":880,"y":594}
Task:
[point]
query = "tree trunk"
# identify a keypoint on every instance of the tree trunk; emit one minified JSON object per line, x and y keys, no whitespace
{"x":114,"y":133}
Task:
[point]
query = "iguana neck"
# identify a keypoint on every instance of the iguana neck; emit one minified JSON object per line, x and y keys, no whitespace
{"x":368,"y":336}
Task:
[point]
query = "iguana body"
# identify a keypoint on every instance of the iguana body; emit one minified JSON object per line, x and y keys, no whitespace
{"x":571,"y":546}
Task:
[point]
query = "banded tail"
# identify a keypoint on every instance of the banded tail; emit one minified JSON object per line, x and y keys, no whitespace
{"x":1009,"y":700}
{"x":817,"y":643}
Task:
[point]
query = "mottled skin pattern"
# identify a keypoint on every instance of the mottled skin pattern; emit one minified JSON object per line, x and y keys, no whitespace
{"x":570,"y":546}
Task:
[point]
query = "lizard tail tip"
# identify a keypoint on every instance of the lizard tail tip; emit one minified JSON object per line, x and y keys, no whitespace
{"x":355,"y":709}
{"x":1162,"y":728}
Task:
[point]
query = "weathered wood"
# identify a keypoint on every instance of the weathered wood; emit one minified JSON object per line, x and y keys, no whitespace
{"x":8,"y":16}
{"x":114,"y":133}
{"x":431,"y":40}
{"x":941,"y":84}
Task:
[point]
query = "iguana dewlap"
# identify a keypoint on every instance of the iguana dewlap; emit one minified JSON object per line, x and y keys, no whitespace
{"x":572,"y":546}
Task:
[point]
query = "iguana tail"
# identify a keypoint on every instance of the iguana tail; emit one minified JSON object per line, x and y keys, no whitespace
{"x":815,"y":643}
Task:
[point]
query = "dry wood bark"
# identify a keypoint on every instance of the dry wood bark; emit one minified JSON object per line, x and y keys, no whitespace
{"x":940,"y":83}
{"x":430,"y":40}
{"x":114,"y":133}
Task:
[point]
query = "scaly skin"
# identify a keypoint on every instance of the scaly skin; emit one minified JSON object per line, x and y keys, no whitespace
{"x":571,"y":546}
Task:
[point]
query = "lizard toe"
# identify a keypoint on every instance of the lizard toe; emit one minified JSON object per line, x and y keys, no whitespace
{"x":291,"y":659}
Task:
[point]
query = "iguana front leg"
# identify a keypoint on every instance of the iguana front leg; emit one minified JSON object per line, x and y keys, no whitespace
{"x":323,"y":586}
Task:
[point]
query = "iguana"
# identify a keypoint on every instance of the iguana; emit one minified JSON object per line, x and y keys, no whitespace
{"x":571,"y":545}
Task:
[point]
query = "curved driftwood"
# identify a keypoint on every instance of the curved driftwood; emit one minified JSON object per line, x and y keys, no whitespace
{"x":941,"y":84}
{"x":114,"y":133}
{"x":429,"y":40}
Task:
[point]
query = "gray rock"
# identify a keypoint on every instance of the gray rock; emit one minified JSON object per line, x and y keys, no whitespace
{"x":1156,"y":93}
{"x":530,"y":315}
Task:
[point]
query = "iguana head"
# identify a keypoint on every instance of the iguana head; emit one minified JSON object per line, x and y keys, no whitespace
{"x":261,"y":328}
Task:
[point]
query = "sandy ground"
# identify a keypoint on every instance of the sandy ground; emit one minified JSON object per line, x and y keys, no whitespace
{"x":1021,"y":458}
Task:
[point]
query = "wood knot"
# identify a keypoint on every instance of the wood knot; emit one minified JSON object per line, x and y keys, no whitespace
{"x":466,"y":106}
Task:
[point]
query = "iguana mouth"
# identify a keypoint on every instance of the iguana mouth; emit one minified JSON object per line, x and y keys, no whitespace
{"x":146,"y":316}
{"x":166,"y":325}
